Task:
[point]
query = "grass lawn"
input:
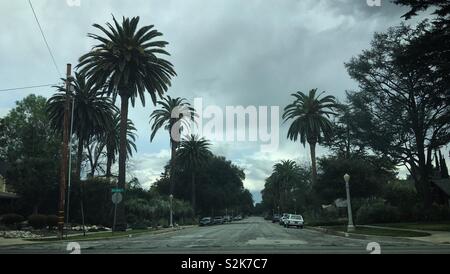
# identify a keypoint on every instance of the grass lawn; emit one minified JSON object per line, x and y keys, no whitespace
{"x":100,"y":235}
{"x":381,"y":232}
{"x":445,"y":226}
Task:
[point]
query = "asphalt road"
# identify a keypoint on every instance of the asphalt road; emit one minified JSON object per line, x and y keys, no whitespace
{"x":250,"y":236}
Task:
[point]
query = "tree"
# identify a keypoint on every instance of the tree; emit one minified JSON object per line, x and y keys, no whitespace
{"x":287,"y":187}
{"x":125,"y":63}
{"x":442,"y":7}
{"x":431,"y":47}
{"x":350,"y":130}
{"x":171,"y":114}
{"x":193,"y":155}
{"x":284,"y":173}
{"x":31,"y":151}
{"x":368,"y":176}
{"x":92,"y":112}
{"x":407,"y":108}
{"x":219,"y":187}
{"x":111,"y":140}
{"x":310,"y":115}
{"x":443,"y":165}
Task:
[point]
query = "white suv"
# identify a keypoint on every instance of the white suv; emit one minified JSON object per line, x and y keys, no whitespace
{"x":294,"y":220}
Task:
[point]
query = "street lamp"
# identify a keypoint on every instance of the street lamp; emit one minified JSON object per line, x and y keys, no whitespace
{"x":171,"y":213}
{"x":351,"y":227}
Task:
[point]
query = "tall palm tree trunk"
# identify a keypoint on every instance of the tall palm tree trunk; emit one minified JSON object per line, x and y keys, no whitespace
{"x":312,"y":147}
{"x":109,"y":160}
{"x":79,"y":160}
{"x":193,"y":193}
{"x":121,"y":224}
{"x":173,"y":145}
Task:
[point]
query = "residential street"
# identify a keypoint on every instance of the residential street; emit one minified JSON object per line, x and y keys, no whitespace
{"x":253,"y":235}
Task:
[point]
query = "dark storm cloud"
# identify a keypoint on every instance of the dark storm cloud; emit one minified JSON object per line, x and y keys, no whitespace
{"x":231,"y":52}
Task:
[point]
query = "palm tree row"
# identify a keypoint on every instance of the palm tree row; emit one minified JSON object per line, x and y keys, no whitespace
{"x":126,"y":62}
{"x":174,"y":115}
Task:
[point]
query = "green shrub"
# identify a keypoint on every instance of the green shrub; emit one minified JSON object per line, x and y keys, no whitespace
{"x":377,"y":212}
{"x":12,"y":220}
{"x":37,"y":221}
{"x":141,"y":225}
{"x":163,"y":222}
{"x":438,"y":213}
{"x":52,"y":221}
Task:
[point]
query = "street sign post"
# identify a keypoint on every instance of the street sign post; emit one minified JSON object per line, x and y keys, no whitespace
{"x":118,"y":190}
{"x":116,"y":199}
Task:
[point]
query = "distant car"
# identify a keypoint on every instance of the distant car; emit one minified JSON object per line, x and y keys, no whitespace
{"x":218,"y":220}
{"x":283,"y":218}
{"x":227,"y":219}
{"x":294,"y":220}
{"x":238,"y":218}
{"x":206,"y":221}
{"x":275,"y":218}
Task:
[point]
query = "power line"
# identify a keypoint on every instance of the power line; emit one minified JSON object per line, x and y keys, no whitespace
{"x":29,"y":87}
{"x":45,"y":40}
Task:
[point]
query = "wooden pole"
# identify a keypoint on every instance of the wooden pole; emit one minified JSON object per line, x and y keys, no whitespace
{"x":64,"y":155}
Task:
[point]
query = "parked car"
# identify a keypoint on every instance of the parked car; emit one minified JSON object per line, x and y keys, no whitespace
{"x":294,"y":220}
{"x":206,"y":221}
{"x":238,"y":218}
{"x":283,"y":218}
{"x":218,"y":220}
{"x":227,"y":219}
{"x":275,"y":218}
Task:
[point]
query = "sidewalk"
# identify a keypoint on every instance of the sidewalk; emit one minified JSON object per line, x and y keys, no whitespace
{"x":436,"y":237}
{"x":8,"y":242}
{"x":11,"y":242}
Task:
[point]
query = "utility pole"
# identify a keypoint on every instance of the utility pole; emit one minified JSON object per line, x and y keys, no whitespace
{"x":64,"y":155}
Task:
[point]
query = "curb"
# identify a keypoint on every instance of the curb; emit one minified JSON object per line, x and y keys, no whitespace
{"x":155,"y":232}
{"x":343,"y":234}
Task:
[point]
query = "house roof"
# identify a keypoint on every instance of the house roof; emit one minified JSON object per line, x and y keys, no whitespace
{"x":443,"y":184}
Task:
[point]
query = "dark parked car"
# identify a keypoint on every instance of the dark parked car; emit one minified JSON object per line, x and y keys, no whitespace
{"x":275,"y":218}
{"x":206,"y":221}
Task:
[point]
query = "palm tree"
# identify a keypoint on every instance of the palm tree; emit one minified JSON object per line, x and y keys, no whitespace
{"x":172,"y":113}
{"x":284,"y":174}
{"x":93,"y":113}
{"x":126,"y":64}
{"x":310,"y":115}
{"x":111,"y":140}
{"x":192,"y":155}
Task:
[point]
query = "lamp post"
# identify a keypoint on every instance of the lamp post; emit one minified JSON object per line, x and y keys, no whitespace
{"x":350,"y":227}
{"x":171,"y":213}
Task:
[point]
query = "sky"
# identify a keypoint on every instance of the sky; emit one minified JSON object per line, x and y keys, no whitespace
{"x":227,"y":52}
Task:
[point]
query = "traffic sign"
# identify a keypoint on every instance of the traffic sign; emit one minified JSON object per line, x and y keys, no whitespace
{"x":117,"y":198}
{"x":118,"y":190}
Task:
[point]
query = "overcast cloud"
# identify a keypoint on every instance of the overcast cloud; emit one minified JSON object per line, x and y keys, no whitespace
{"x":229,"y":52}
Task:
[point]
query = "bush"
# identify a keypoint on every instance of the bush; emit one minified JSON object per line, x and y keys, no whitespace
{"x":37,"y":221}
{"x":141,"y":225}
{"x":52,"y":221}
{"x":12,"y":220}
{"x":438,"y":213}
{"x":377,"y":212}
{"x":163,"y":222}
